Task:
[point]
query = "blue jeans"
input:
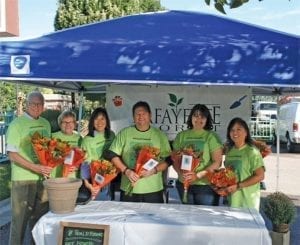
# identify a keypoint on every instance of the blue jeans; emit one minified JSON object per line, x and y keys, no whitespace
{"x":199,"y":194}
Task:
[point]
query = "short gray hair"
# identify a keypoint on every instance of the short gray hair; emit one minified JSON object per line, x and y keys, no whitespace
{"x":65,"y":114}
{"x":35,"y":94}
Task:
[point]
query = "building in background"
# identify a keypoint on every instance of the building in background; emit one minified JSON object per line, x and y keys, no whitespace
{"x":9,"y":18}
{"x":58,"y":102}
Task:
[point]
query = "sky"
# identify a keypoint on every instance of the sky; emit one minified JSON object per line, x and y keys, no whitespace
{"x":37,"y":17}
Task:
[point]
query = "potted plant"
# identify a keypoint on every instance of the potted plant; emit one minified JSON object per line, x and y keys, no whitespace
{"x":281,"y":211}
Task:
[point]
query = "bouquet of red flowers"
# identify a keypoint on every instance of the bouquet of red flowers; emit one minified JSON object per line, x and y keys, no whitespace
{"x":222,"y":178}
{"x":102,"y":172}
{"x":147,"y":159}
{"x":264,"y":149}
{"x":50,"y":152}
{"x":186,"y":160}
{"x":73,"y":160}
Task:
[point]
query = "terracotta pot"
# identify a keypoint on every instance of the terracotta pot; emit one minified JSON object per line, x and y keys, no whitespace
{"x":281,"y":228}
{"x":62,"y":194}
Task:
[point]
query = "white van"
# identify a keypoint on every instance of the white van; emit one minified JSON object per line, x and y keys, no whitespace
{"x":265,"y":110}
{"x":289,"y":125}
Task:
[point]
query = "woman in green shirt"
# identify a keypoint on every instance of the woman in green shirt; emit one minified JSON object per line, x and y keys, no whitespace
{"x":96,"y":142}
{"x":247,"y":163}
{"x":67,"y":123}
{"x":200,"y":136}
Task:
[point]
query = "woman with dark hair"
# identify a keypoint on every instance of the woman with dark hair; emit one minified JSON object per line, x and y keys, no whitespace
{"x":247,"y":163}
{"x":201,"y":138}
{"x":148,"y":185}
{"x":97,"y":141}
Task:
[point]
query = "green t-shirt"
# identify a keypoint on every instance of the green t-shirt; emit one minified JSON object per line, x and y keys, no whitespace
{"x":18,"y":139}
{"x":202,"y":140}
{"x":95,"y":146}
{"x":244,"y":162}
{"x":126,"y":144}
{"x":73,"y":140}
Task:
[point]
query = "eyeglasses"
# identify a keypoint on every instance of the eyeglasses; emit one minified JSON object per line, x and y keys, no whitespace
{"x":65,"y":122}
{"x":35,"y":104}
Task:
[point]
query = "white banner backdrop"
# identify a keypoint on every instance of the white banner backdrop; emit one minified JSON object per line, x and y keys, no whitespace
{"x":171,"y":105}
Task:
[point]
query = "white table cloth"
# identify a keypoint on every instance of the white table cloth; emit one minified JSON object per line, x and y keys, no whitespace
{"x":161,"y":224}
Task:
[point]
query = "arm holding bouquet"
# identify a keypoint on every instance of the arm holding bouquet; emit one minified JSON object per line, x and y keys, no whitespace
{"x":96,"y":143}
{"x":247,"y":162}
{"x":137,"y":151}
{"x":258,"y":175}
{"x":197,"y":138}
{"x":37,"y":168}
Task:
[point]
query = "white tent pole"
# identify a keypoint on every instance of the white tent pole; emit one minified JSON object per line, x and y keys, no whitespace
{"x":277,"y":146}
{"x":80,"y":111}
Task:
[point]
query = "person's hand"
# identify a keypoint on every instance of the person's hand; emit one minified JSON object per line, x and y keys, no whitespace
{"x":232,"y":188}
{"x":132,"y":176}
{"x":95,"y":190}
{"x":43,"y":170}
{"x":146,"y":173}
{"x":189,"y":176}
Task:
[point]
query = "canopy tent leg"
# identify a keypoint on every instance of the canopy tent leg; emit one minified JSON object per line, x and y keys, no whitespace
{"x":80,"y":111}
{"x":277,"y":146}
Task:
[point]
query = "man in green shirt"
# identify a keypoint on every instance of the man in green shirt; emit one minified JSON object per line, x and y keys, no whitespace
{"x":28,"y":197}
{"x":148,"y":186}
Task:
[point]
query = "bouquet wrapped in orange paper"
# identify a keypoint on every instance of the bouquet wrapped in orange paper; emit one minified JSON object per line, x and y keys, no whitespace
{"x":222,"y":178}
{"x":102,"y":172}
{"x":50,"y":152}
{"x":264,"y":149}
{"x":186,"y":160}
{"x":147,"y":159}
{"x":73,"y":160}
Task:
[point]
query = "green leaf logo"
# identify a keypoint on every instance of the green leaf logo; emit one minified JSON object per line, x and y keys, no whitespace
{"x":174,"y":101}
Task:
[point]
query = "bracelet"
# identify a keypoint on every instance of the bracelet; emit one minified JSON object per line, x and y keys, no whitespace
{"x":155,"y":170}
{"x":238,"y":186}
{"x":124,"y":171}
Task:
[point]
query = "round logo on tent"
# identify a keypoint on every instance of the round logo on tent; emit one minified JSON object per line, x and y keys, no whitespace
{"x":20,"y":62}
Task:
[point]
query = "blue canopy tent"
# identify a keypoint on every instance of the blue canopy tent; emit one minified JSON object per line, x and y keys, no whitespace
{"x":173,"y":47}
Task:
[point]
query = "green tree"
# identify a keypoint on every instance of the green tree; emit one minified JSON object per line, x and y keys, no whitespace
{"x":8,"y":94}
{"x":78,"y":12}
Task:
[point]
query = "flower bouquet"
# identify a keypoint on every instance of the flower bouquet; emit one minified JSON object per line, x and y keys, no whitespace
{"x":50,"y":152}
{"x":186,"y":160}
{"x":147,"y":159}
{"x":73,"y":160}
{"x":222,"y":178}
{"x":102,"y":172}
{"x":264,"y":149}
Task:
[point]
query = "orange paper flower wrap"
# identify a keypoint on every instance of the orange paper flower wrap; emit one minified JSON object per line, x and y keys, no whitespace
{"x":79,"y":156}
{"x":50,"y":152}
{"x":222,"y":178}
{"x":177,"y":159}
{"x":264,"y":149}
{"x":104,"y":168}
{"x":144,"y":154}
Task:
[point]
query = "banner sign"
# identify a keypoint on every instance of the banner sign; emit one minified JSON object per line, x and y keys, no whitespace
{"x":171,"y":105}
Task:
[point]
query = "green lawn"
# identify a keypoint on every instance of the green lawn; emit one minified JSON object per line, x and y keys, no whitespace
{"x":4,"y":180}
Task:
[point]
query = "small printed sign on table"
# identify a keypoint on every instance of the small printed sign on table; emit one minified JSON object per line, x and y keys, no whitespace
{"x":71,"y":233}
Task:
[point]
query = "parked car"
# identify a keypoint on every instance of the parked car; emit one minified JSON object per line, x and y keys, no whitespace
{"x":289,"y":125}
{"x":265,"y":110}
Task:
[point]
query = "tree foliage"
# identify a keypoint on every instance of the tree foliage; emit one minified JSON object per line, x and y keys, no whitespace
{"x":9,"y":93}
{"x":78,"y":12}
{"x":219,"y":4}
